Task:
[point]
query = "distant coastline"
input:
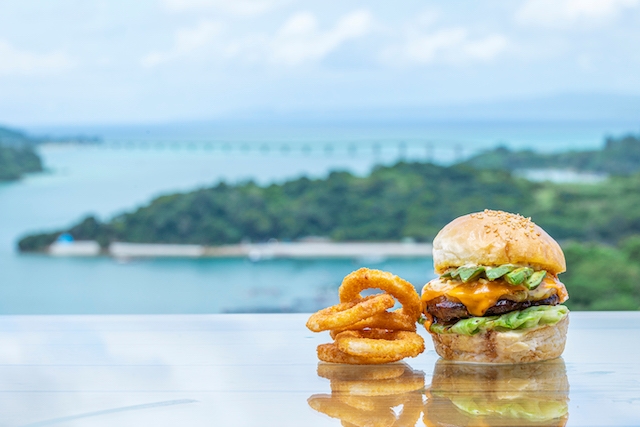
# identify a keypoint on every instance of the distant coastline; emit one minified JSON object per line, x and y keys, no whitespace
{"x":15,"y":162}
{"x":18,"y":155}
{"x":252,"y":251}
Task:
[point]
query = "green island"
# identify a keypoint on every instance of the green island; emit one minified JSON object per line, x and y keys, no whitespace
{"x":619,"y":156}
{"x":13,"y":138}
{"x":15,"y":162}
{"x":17,"y":156}
{"x":597,"y":224}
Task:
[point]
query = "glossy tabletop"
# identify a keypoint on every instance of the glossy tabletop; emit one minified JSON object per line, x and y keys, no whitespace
{"x":261,"y":369}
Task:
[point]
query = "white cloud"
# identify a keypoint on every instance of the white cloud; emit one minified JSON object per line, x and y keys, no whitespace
{"x":237,"y":7}
{"x":15,"y":61}
{"x":186,"y":40}
{"x":452,"y":45}
{"x":567,"y":13}
{"x":301,"y":40}
{"x":297,"y":41}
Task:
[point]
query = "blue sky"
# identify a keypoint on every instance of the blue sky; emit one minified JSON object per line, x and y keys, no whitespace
{"x":101,"y":62}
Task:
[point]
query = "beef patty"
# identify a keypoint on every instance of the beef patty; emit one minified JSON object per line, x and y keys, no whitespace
{"x":446,"y":311}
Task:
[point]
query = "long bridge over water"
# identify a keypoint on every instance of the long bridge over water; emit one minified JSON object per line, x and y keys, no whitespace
{"x":422,"y":150}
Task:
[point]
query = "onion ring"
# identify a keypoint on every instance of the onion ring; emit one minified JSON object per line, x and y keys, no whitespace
{"x":393,"y":321}
{"x":347,"y":313}
{"x":332,"y":354}
{"x":365,"y":278}
{"x":377,"y":343}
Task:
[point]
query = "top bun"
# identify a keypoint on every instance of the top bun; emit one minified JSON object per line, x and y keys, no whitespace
{"x":495,"y":238}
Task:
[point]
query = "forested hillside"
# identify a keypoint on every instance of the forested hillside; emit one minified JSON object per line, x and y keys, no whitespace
{"x":15,"y":138}
{"x":618,"y":156}
{"x":16,"y":161}
{"x":408,"y":200}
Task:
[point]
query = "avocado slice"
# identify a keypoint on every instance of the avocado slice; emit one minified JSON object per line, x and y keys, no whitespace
{"x":519,"y":275}
{"x":535,"y":279}
{"x":447,"y":274}
{"x":470,"y":273}
{"x":454,"y":273}
{"x":494,"y":273}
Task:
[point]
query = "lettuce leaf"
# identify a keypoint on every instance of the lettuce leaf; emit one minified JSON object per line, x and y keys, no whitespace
{"x":528,"y":318}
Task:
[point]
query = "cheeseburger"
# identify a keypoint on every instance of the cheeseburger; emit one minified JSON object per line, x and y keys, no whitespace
{"x":497,"y":298}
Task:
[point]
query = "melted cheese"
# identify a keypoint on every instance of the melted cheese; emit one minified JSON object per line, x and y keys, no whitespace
{"x":479,"y":295}
{"x":428,"y":321}
{"x":553,"y":283}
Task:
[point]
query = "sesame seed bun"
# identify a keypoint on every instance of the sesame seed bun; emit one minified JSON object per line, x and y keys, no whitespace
{"x":495,"y":238}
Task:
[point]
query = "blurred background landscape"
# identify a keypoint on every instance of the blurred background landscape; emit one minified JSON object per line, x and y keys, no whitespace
{"x":199,"y":156}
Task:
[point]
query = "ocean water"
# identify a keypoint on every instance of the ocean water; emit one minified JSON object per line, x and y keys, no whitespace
{"x":38,"y":284}
{"x":135,"y":165}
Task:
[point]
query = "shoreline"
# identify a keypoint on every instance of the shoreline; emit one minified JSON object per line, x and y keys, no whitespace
{"x":252,"y":251}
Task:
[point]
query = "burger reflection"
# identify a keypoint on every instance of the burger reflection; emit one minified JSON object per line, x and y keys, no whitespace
{"x":535,"y":394}
{"x":371,"y":395}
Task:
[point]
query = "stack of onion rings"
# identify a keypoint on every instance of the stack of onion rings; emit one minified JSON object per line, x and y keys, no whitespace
{"x":365,"y":332}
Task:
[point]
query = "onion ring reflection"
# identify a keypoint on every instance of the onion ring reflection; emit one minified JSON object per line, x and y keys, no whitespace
{"x":371,"y":395}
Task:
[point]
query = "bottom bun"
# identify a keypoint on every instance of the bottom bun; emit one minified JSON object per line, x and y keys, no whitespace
{"x":529,"y":345}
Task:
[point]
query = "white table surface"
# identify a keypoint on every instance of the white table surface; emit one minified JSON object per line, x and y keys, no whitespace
{"x":248,"y":370}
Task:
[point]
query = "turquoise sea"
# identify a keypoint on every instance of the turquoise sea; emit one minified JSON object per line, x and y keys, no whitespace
{"x":135,"y":164}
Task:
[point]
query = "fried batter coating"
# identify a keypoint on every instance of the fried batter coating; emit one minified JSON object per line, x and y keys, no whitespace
{"x":365,"y":278}
{"x":377,"y":343}
{"x":348,"y":313}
